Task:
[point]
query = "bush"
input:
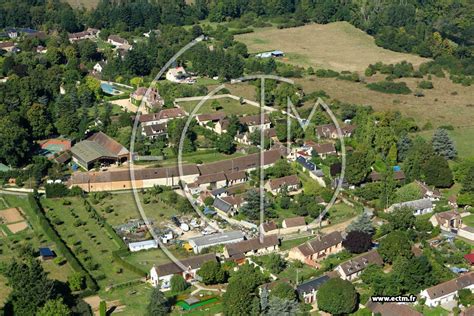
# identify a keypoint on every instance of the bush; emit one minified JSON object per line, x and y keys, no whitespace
{"x":390,"y":87}
{"x":425,"y":84}
{"x":178,"y":284}
{"x":326,"y":73}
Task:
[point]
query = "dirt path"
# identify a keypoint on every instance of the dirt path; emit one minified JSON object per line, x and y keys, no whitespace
{"x":339,"y":226}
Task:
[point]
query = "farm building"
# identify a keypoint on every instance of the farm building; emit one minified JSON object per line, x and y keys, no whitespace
{"x":99,"y":148}
{"x":251,"y":247}
{"x":142,"y":245}
{"x":273,"y":53}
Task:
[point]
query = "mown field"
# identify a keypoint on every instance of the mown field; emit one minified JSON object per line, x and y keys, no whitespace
{"x":88,"y":239}
{"x":228,"y":106}
{"x":338,"y":46}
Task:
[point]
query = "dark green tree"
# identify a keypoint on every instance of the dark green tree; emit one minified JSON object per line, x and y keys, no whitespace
{"x":437,"y":172}
{"x":158,"y":304}
{"x":225,"y":144}
{"x":178,"y":283}
{"x":211,"y":272}
{"x":394,"y":245}
{"x":337,"y":296}
{"x":357,"y":241}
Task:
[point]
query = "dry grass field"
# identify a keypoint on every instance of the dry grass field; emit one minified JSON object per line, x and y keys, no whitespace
{"x":447,"y":103}
{"x":338,"y":46}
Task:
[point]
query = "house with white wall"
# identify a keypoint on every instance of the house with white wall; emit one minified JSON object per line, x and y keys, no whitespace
{"x":446,"y":292}
{"x":160,"y":276}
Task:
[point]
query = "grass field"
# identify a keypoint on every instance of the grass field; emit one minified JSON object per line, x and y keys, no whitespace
{"x":447,"y":103}
{"x":338,"y":46}
{"x":87,"y":239}
{"x":135,"y":298}
{"x":87,"y":4}
{"x":229,"y":106}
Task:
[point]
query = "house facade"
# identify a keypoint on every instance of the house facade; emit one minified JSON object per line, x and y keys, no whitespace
{"x":448,"y":221}
{"x":351,"y":269}
{"x":317,"y":249}
{"x":307,"y":290}
{"x":160,"y":276}
{"x":251,"y":247}
{"x":290,"y":183}
{"x":419,"y":207}
{"x":447,"y":291}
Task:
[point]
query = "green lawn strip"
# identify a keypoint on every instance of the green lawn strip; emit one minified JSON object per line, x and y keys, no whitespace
{"x":468,"y":220}
{"x":228,"y":105}
{"x":63,"y":249}
{"x":89,"y":237}
{"x":5,"y":230}
{"x":288,"y":244}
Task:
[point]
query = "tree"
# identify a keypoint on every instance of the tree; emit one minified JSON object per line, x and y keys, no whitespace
{"x":31,"y":287}
{"x":357,"y":242}
{"x":215,"y":105}
{"x":337,"y":296}
{"x":14,"y":141}
{"x":178,"y":283}
{"x":76,"y":281}
{"x":443,"y":145}
{"x":403,"y":146}
{"x":275,"y":263}
{"x":358,"y":166}
{"x":241,"y":295}
{"x":281,"y":168}
{"x":414,"y":274}
{"x":251,"y":208}
{"x":54,"y":308}
{"x":402,"y":218}
{"x":362,"y":224}
{"x":394,"y":245}
{"x":225,"y":144}
{"x":437,"y":172}
{"x":158,"y":304}
{"x":39,"y":121}
{"x":408,"y":192}
{"x":211,"y":272}
{"x":281,"y":306}
{"x":284,"y":291}
{"x":466,"y":297}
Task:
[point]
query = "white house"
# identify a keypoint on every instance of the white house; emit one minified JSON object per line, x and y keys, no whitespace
{"x":98,"y":67}
{"x":178,"y":75}
{"x":447,"y":291}
{"x":254,"y":122}
{"x":352,"y":268}
{"x":161,"y":275}
{"x":202,"y":242}
{"x":291,"y":183}
{"x":161,"y":117}
{"x":419,"y":207}
{"x":142,"y":245}
{"x":119,"y":42}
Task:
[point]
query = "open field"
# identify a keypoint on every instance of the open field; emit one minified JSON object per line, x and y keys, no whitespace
{"x":447,"y":103}
{"x":90,"y":242}
{"x":134,"y":297}
{"x":87,"y":4}
{"x":228,"y":106}
{"x":338,"y":46}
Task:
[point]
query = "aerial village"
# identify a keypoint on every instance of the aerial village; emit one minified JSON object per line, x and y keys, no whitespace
{"x":199,"y":177}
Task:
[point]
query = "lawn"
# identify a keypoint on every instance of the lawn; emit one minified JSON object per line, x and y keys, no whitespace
{"x":86,"y":237}
{"x":120,"y":208}
{"x":200,"y":156}
{"x":468,"y":220}
{"x":339,"y":46}
{"x":135,"y":298}
{"x":296,"y":273}
{"x":228,"y":106}
{"x":340,"y":212}
{"x":146,"y":259}
{"x":288,"y":244}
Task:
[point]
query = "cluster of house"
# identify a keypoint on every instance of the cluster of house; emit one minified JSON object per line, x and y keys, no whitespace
{"x":152,"y":99}
{"x":90,"y":33}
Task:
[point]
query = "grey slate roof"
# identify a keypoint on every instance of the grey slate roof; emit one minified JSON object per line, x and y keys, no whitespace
{"x":313,"y":284}
{"x":221,"y":205}
{"x":217,"y":238}
{"x":414,"y":205}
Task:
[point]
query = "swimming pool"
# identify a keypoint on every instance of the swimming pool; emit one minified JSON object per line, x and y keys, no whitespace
{"x":109,"y":89}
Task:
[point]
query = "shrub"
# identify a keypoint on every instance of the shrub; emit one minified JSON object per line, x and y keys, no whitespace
{"x":425,"y":84}
{"x":390,"y":87}
{"x":326,"y":73}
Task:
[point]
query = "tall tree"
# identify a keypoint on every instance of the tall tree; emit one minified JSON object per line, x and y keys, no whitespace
{"x":158,"y":305}
{"x":357,"y":242}
{"x":394,"y":245}
{"x":54,"y":308}
{"x":437,"y":172}
{"x":39,"y":120}
{"x":362,"y":224}
{"x":443,"y":145}
{"x":14,"y":141}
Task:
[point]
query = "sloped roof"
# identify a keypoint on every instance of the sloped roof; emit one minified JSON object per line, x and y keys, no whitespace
{"x":361,"y":262}
{"x":280,"y":182}
{"x":391,"y":309}
{"x":192,"y":263}
{"x":124,"y":175}
{"x":451,"y":286}
{"x":162,"y":115}
{"x":310,"y":285}
{"x":109,"y":144}
{"x":294,"y":221}
{"x":222,"y":205}
{"x":251,"y":244}
{"x":254,"y":119}
{"x":324,"y":148}
{"x":208,"y":178}
{"x":269,"y":226}
{"x":414,"y":205}
{"x":210,"y":117}
{"x":213,"y":239}
{"x":444,"y":217}
{"x":317,"y":245}
{"x":397,"y":175}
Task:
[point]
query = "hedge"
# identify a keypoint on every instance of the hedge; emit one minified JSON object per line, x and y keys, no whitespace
{"x":390,"y":87}
{"x":62,"y":247}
